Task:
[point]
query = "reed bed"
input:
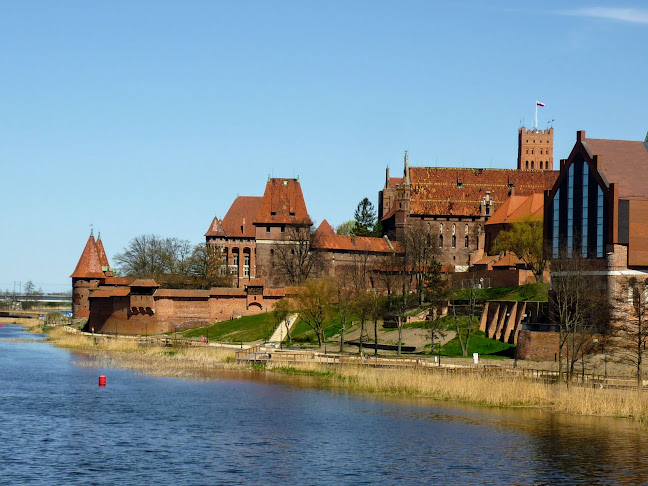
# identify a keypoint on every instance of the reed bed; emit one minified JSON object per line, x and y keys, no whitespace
{"x":154,"y":360}
{"x":485,"y":389}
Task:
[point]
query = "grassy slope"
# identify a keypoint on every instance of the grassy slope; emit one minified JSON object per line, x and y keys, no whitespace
{"x":537,"y":292}
{"x":248,"y":328}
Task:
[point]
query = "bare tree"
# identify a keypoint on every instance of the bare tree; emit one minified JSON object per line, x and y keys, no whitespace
{"x":344,"y":302}
{"x":631,"y":324}
{"x":150,"y":256}
{"x":294,"y":258}
{"x":205,"y":267}
{"x":314,"y":302}
{"x":579,"y":308}
{"x":464,"y":327}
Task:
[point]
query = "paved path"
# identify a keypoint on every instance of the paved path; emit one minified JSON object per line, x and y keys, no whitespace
{"x":281,"y":332}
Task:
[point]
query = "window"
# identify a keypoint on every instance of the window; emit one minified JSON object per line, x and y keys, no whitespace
{"x":527,"y":165}
{"x":283,"y":228}
{"x":532,"y":165}
{"x":454,"y":236}
{"x":267,"y":229}
{"x":246,"y":265}
{"x":273,"y":213}
{"x":466,"y":237}
{"x":235,"y":260}
{"x":441,"y":235}
{"x":531,"y":151}
{"x":556,"y":223}
{"x":527,"y":151}
{"x":570,"y":211}
{"x":541,"y":164}
{"x":584,"y":243}
{"x":599,"y":223}
{"x":540,"y":151}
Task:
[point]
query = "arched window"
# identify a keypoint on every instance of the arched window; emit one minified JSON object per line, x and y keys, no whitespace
{"x":441,"y":235}
{"x":454,"y":236}
{"x":532,"y":165}
{"x":527,"y":165}
{"x":466,"y":237}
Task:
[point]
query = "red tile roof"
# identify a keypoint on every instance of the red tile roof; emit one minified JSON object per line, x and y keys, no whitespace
{"x":118,"y":281}
{"x":325,"y":228}
{"x":144,"y":282}
{"x":239,"y":220}
{"x":325,"y":241}
{"x":274,"y":292}
{"x":255,"y":282}
{"x":459,"y":192}
{"x":182,"y":293}
{"x":517,"y":208}
{"x":508,"y":260}
{"x":394,"y":181}
{"x":624,"y":163}
{"x":216,"y":228}
{"x":283,"y":202}
{"x":89,"y":265}
{"x":103,"y":292}
{"x":102,"y":253}
{"x":226,"y":291}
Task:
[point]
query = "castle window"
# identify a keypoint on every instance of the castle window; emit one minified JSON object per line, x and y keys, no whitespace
{"x":441,"y":235}
{"x":273,"y":213}
{"x":454,"y":236}
{"x":283,"y":228}
{"x":540,"y":151}
{"x":292,"y":214}
{"x":541,"y":164}
{"x":527,"y":165}
{"x":466,"y":237}
{"x":532,"y":165}
{"x":531,"y":151}
{"x":460,"y":184}
{"x":527,"y":151}
{"x":267,"y":229}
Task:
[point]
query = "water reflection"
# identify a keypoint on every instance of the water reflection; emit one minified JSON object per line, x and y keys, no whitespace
{"x":59,"y":427}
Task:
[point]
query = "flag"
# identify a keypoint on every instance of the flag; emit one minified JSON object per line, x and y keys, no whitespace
{"x":539,"y":104}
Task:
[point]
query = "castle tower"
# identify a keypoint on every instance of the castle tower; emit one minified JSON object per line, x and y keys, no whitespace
{"x":535,"y":149}
{"x":86,"y":277}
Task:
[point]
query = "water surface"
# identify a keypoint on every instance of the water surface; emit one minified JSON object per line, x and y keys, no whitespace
{"x":58,"y":427}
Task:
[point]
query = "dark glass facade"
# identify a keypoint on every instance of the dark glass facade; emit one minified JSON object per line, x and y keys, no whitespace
{"x":578,"y":215}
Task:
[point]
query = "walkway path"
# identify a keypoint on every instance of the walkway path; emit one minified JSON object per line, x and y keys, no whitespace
{"x":281,"y":332}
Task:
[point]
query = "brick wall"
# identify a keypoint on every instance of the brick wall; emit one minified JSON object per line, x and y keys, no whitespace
{"x":537,"y":346}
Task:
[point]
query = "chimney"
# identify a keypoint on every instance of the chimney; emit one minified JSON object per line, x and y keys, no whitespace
{"x":580,"y":135}
{"x":406,"y":170}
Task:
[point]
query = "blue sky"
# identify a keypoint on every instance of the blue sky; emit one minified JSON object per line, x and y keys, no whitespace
{"x":151,"y":117}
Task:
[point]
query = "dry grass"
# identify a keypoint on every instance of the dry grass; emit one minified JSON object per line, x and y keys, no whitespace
{"x":34,"y":324}
{"x":128,"y":353}
{"x":486,"y":389}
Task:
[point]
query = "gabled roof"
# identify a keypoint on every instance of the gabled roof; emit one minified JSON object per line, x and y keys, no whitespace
{"x":325,"y":241}
{"x":283,"y":202}
{"x":102,"y":253}
{"x":89,"y":265}
{"x":239,"y":220}
{"x":459,"y":191}
{"x":508,"y":260}
{"x":394,"y":181}
{"x":623,"y":162}
{"x":325,"y":229}
{"x":517,"y":208}
{"x":215,"y":228}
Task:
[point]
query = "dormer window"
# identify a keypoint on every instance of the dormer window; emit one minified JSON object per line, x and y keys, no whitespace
{"x":273,"y":213}
{"x":292,"y":214}
{"x":459,"y":184}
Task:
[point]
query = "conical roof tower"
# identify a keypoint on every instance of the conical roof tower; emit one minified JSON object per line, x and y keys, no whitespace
{"x":102,"y":253}
{"x":89,"y":265}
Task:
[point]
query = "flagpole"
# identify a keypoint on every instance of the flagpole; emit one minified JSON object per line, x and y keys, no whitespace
{"x":536,"y":117}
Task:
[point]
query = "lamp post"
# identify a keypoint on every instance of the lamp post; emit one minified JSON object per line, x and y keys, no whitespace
{"x":241,"y":337}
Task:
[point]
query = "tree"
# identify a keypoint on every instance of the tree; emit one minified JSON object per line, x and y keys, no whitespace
{"x":464,"y":327}
{"x":294,"y":260}
{"x":344,"y":302}
{"x":314,"y":303}
{"x":150,"y":256}
{"x":365,"y":218}
{"x":438,"y":291}
{"x":206,"y":267}
{"x":345,"y":229}
{"x":422,"y":249}
{"x":578,"y":305}
{"x":377,"y":312}
{"x":282,"y":310}
{"x":631,"y":329}
{"x":525,"y":240}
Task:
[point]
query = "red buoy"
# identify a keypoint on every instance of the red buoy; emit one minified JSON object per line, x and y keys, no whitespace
{"x":102,"y":381}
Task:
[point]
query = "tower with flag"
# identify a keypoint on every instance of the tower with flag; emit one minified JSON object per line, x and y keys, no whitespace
{"x":535,"y":147}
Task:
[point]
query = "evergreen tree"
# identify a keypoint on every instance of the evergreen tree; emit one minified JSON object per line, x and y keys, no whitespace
{"x":365,"y":218}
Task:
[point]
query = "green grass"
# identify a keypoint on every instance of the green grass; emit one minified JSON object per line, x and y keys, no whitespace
{"x":248,"y":328}
{"x":537,"y":292}
{"x":304,"y":333}
{"x":479,"y":343}
{"x":446,"y":322}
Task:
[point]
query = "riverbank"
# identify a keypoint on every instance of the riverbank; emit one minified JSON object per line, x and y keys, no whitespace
{"x":482,"y":389}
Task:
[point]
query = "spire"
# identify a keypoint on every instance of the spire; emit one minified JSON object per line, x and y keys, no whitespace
{"x":103,"y":259}
{"x":387,"y":177}
{"x":89,"y":265}
{"x":406,"y":170}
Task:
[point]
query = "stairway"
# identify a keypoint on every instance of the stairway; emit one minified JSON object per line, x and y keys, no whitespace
{"x":281,"y":332}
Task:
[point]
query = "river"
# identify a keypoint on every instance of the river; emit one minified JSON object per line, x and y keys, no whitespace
{"x":57,"y":426}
